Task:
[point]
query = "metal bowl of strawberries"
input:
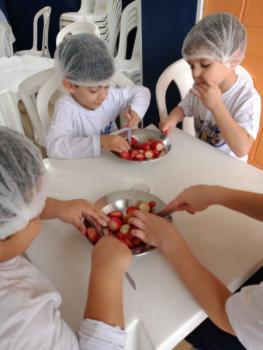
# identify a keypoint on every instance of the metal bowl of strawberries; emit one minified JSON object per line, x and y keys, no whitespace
{"x":146,"y":146}
{"x":119,"y":207}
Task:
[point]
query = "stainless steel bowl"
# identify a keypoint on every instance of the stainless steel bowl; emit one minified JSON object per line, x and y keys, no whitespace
{"x":121,"y":200}
{"x":143,"y":135}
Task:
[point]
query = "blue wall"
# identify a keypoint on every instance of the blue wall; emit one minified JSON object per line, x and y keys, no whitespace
{"x":164,"y":27}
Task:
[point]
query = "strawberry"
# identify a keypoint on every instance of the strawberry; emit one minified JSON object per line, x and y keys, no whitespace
{"x":148,"y":154}
{"x":115,"y":213}
{"x":125,"y":218}
{"x":134,"y":141}
{"x":152,"y":204}
{"x":159,"y":146}
{"x":128,"y":243}
{"x":139,"y":157}
{"x":125,"y":155}
{"x":144,"y":207}
{"x":156,"y":153}
{"x":114,"y":224}
{"x":125,"y":229}
{"x":134,"y":153}
{"x":146,"y":146}
{"x":130,"y":210}
{"x":92,"y":234}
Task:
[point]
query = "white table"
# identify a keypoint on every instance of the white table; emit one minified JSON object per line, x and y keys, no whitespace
{"x":162,"y":312}
{"x":16,"y":69}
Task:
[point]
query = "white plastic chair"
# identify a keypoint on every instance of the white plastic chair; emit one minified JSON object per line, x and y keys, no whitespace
{"x":77,"y":28}
{"x":130,"y":67}
{"x":106,"y":16}
{"x":28,"y":91}
{"x":9,"y":114}
{"x":52,"y":88}
{"x":180,"y":73}
{"x":45,"y":12}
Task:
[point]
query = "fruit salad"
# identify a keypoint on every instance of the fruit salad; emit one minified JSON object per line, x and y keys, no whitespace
{"x":119,"y":227}
{"x":148,"y":150}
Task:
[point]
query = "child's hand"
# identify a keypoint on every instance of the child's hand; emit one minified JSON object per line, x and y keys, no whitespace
{"x":132,"y":118}
{"x":111,"y":253}
{"x":74,"y":211}
{"x":167,"y":124}
{"x":208,"y":93}
{"x":114,"y":143}
{"x":151,"y":228}
{"x":194,"y":198}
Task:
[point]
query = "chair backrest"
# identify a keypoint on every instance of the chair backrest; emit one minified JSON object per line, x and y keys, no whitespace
{"x":9,"y":114}
{"x":45,"y":12}
{"x":178,"y":72}
{"x":77,"y":28}
{"x":87,"y":6}
{"x":28,"y":91}
{"x":129,"y":21}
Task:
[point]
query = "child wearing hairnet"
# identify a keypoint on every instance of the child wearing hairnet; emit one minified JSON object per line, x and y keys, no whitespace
{"x":29,"y":304}
{"x":85,"y":116}
{"x":225,"y":108}
{"x":235,"y":319}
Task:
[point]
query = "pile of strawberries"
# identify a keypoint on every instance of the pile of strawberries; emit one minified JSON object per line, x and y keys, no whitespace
{"x":119,"y":226}
{"x":144,"y":151}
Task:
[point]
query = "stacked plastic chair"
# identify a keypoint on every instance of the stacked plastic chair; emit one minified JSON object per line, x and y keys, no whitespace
{"x":106,"y":14}
{"x":130,"y":67}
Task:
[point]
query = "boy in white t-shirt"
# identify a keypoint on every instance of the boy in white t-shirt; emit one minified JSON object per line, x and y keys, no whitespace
{"x":225,"y":108}
{"x":30,"y":318}
{"x":85,"y":116}
{"x":237,"y":319}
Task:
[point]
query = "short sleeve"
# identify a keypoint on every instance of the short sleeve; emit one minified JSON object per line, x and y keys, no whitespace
{"x":245,"y":313}
{"x":187,"y":104}
{"x":100,"y":336}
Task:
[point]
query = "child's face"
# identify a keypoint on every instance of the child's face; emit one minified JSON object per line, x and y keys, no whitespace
{"x":88,"y":97}
{"x":211,"y":72}
{"x":17,"y":243}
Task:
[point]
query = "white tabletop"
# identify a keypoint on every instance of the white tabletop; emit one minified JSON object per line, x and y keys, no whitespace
{"x":16,"y":69}
{"x":163,"y":311}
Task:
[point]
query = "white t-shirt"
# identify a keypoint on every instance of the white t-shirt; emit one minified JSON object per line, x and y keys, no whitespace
{"x":30,"y":317}
{"x":75,"y":131}
{"x":245,"y":313}
{"x":243,"y":104}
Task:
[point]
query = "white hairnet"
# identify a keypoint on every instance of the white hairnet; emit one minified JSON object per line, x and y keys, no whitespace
{"x":84,"y":60}
{"x":220,"y":36}
{"x":22,"y":182}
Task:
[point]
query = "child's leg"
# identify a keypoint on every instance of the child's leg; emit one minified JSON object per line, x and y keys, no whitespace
{"x":207,"y":336}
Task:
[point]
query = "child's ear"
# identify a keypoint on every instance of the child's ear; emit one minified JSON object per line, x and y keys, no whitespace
{"x":236,"y":59}
{"x":68,"y":86}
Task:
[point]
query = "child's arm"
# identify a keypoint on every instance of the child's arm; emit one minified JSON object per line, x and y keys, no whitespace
{"x":210,"y":293}
{"x":134,"y":100}
{"x":235,"y":136}
{"x":175,"y":117}
{"x":198,"y":198}
{"x":110,"y":261}
{"x":72,"y":212}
